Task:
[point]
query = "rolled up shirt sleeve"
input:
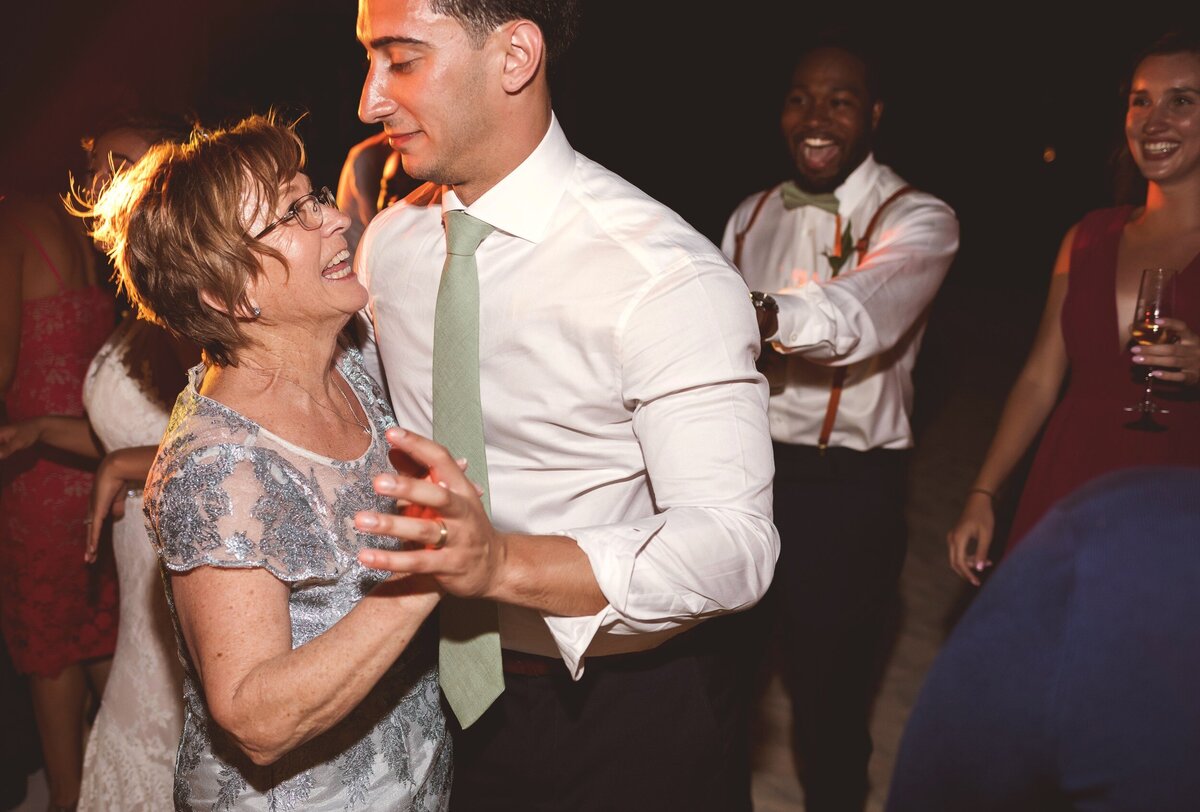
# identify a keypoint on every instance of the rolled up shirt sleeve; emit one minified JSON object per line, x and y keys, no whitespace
{"x":869,"y":310}
{"x":700,"y":416}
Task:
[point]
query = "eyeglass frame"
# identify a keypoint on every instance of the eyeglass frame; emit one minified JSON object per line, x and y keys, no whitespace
{"x":324,"y":197}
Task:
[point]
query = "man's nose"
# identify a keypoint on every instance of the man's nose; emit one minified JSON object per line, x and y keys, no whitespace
{"x":817,"y":113}
{"x":374,"y":105}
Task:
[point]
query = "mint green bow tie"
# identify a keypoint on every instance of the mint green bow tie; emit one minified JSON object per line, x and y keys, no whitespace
{"x":794,"y":197}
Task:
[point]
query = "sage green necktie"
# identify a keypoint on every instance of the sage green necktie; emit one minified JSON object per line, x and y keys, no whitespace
{"x":469,"y":653}
{"x":794,"y":197}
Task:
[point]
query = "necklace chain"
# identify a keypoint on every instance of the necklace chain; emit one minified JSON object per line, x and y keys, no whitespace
{"x":365,"y":428}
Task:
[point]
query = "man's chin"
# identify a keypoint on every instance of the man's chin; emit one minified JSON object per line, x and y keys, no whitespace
{"x":818,"y":184}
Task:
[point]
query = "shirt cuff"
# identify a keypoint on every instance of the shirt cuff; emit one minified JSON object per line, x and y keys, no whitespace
{"x":806,"y":318}
{"x":612,"y":551}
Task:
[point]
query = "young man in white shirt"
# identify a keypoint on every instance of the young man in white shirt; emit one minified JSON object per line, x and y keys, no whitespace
{"x":628,"y":461}
{"x":844,"y":260}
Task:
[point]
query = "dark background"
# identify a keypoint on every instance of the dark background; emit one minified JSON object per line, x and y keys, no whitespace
{"x":681,"y":98}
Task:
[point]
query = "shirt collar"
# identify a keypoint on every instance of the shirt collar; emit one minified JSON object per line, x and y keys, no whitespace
{"x":855,"y":187}
{"x":524,"y":200}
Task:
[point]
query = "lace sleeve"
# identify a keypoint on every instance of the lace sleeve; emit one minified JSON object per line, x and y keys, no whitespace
{"x":236,"y":505}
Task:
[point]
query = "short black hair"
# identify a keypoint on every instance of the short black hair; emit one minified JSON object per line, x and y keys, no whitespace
{"x":853,"y":41}
{"x":558,"y":19}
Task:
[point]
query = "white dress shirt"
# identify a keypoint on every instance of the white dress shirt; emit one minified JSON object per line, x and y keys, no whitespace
{"x":871,"y":317}
{"x":621,"y":406}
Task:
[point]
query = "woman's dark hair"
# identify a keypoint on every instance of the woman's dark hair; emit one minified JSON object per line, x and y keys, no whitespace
{"x":153,"y":125}
{"x":1129,"y":187}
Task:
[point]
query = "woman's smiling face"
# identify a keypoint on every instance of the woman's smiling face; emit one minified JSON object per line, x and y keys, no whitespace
{"x":318,"y":281}
{"x":1162,"y":122}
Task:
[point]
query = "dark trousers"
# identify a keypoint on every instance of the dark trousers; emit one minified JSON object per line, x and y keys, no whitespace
{"x":835,"y":599}
{"x":657,"y":731}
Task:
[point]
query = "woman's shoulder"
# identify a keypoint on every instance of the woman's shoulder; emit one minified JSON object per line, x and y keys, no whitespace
{"x":40,"y":228}
{"x":1103,"y":219}
{"x":198,"y":423}
{"x":26,"y":217}
{"x":1096,"y":228}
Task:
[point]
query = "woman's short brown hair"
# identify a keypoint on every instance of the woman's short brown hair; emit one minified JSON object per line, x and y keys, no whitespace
{"x":173,"y":226}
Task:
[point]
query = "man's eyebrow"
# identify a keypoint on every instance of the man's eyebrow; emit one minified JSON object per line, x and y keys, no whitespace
{"x":1178,"y":89}
{"x":383,"y":42}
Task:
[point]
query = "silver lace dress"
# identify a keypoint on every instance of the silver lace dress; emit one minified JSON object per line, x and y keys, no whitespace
{"x":225,"y":492}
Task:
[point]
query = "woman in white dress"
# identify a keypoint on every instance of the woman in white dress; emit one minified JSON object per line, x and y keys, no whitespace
{"x":130,"y":758}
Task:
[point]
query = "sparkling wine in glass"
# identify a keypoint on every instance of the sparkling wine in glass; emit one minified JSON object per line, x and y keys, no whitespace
{"x":1156,"y":300}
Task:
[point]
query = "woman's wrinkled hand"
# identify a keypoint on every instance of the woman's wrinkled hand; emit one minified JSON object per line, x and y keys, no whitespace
{"x":441,"y":511}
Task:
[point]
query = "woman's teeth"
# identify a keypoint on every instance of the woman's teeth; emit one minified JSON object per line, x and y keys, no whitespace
{"x":1160,"y":147}
{"x":332,"y":271}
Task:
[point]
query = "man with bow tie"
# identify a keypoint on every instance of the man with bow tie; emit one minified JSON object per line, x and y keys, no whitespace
{"x":844,"y":260}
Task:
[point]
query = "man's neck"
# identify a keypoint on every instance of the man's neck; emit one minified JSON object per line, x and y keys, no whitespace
{"x":516,"y":142}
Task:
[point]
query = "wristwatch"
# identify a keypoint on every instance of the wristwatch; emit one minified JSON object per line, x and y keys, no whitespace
{"x":764,"y":301}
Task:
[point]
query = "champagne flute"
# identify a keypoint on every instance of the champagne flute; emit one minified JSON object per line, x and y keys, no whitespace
{"x":1156,"y":300}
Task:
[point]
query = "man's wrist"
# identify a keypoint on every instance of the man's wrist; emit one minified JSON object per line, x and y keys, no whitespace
{"x":764,"y":301}
{"x":767,"y":310}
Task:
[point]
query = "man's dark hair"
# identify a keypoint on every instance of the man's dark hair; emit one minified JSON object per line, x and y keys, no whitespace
{"x":854,"y":42}
{"x":558,"y":19}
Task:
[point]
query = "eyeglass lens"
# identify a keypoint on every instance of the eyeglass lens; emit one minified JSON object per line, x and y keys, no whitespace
{"x":308,"y":208}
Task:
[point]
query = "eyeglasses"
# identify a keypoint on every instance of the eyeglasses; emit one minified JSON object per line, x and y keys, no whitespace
{"x":306,"y":211}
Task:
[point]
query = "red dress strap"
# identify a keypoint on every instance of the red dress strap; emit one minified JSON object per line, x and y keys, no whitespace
{"x":41,"y":250}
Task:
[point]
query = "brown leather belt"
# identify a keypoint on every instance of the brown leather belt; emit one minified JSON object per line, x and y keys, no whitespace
{"x":530,"y":665}
{"x":536,"y":665}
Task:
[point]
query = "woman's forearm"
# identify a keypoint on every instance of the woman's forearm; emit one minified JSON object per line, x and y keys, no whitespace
{"x":133,"y":463}
{"x":283,"y":701}
{"x":1028,"y":406}
{"x":73,"y":434}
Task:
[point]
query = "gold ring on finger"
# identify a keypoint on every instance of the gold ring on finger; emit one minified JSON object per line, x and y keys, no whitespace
{"x":442,"y":536}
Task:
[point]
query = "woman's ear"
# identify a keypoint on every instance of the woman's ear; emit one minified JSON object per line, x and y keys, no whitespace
{"x":246,"y":309}
{"x":524,"y":51}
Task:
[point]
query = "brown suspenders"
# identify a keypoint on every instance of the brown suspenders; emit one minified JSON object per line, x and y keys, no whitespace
{"x":861,"y":247}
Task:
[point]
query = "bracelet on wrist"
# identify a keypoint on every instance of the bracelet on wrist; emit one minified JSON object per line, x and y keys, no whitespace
{"x":990,"y":494}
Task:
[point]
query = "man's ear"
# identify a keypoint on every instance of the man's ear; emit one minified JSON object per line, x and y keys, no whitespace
{"x":876,"y":114}
{"x":524,"y":52}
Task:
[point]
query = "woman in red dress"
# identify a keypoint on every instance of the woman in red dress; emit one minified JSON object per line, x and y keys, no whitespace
{"x":1084,"y":336}
{"x":58,"y":613}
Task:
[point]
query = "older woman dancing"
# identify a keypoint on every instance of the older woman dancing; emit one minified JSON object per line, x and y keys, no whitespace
{"x":310,"y":681}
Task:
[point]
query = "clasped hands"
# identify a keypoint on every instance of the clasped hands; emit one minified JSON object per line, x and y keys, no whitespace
{"x":438,"y":494}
